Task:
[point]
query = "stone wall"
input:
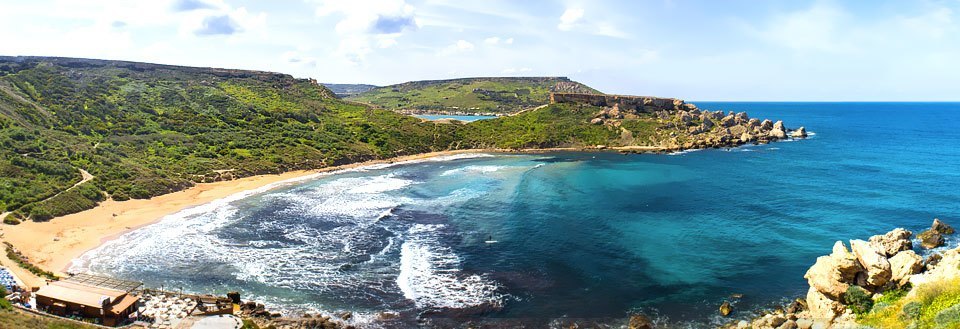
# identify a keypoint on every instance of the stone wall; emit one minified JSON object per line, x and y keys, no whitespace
{"x":636,"y":103}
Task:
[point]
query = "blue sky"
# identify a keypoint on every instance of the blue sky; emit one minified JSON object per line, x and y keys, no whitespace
{"x":698,"y":50}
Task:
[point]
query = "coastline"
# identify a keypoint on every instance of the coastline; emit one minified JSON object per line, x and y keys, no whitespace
{"x":54,"y":244}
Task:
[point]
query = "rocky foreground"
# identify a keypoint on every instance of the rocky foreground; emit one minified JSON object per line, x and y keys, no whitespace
{"x":846,"y":284}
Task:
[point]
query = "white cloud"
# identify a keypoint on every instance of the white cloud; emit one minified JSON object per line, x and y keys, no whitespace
{"x":574,"y":19}
{"x":509,"y":41}
{"x":461,"y":46}
{"x":367,"y":24}
{"x":570,"y":18}
{"x":492,"y":40}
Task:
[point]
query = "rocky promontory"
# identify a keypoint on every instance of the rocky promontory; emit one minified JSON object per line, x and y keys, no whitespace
{"x":874,"y":281}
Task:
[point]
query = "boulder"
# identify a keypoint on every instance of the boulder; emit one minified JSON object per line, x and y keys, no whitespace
{"x":797,"y":306}
{"x":930,"y":239}
{"x":596,"y":121}
{"x":753,"y":123}
{"x":789,"y":324}
{"x":893,"y":242}
{"x":726,"y":309}
{"x":777,"y":133}
{"x":799,"y":133}
{"x":932,"y":261}
{"x":846,"y":262}
{"x":779,"y":125}
{"x":738,"y":130}
{"x":728,"y":121}
{"x":804,"y":323}
{"x":707,"y":123}
{"x":747,"y":138}
{"x":903,"y":265}
{"x":825,"y":278}
{"x":766,"y":124}
{"x":941,"y":227}
{"x":640,"y":321}
{"x":875,"y":264}
{"x":821,"y":307}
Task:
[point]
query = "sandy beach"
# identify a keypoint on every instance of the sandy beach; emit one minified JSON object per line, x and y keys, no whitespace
{"x":54,"y":244}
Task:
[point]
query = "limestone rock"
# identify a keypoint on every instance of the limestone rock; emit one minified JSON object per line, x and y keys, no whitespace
{"x":941,"y":227}
{"x":804,"y":323}
{"x":779,"y":125}
{"x":903,"y":265}
{"x":845,"y":262}
{"x":707,"y":123}
{"x":747,"y":138}
{"x":930,"y":239}
{"x":825,"y":278}
{"x":821,"y":307}
{"x":726,"y":309}
{"x":728,"y":121}
{"x":777,"y":133}
{"x":596,"y":121}
{"x":799,"y":133}
{"x":738,"y":130}
{"x":766,"y":125}
{"x":789,"y":324}
{"x":893,"y":242}
{"x":640,"y":321}
{"x":932,"y":261}
{"x":875,"y":264}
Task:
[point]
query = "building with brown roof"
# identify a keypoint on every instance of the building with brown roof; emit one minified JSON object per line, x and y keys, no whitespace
{"x":107,"y":301}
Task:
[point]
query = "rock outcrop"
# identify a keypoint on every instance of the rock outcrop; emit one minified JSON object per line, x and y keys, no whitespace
{"x":893,"y":242}
{"x":874,"y":263}
{"x":886,"y":262}
{"x":933,"y":237}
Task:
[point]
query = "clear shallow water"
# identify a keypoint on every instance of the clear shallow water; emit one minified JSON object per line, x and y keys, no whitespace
{"x":464,"y":118}
{"x":579,"y":235}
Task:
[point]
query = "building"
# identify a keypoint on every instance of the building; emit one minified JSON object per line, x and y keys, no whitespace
{"x":107,"y":301}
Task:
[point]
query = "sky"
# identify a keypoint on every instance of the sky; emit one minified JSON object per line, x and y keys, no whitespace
{"x":741,"y":50}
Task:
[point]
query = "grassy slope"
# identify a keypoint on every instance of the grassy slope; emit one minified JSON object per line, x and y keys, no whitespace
{"x":145,"y":130}
{"x":935,"y":305}
{"x":478,"y":95}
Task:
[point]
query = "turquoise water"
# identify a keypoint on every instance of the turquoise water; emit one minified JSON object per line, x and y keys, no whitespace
{"x":536,"y":239}
{"x":464,"y":118}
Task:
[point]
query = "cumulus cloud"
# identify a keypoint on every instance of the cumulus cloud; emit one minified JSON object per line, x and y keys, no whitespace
{"x":364,"y":25}
{"x":497,"y":40}
{"x":217,"y":24}
{"x":574,"y":19}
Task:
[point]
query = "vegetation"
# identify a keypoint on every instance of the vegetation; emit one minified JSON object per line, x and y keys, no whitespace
{"x":144,"y":130}
{"x":471,"y":95}
{"x":18,"y":258}
{"x":10,"y":318}
{"x":934,"y":305}
{"x":4,"y":303}
{"x":858,"y":300}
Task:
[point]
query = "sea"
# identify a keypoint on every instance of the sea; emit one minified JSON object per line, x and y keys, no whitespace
{"x":545,"y":240}
{"x":464,"y":118}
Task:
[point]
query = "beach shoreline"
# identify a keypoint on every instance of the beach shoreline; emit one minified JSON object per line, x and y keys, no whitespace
{"x":53,"y":245}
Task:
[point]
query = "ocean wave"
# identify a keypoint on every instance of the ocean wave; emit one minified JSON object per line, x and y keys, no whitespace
{"x":473,"y":170}
{"x":430,"y":274}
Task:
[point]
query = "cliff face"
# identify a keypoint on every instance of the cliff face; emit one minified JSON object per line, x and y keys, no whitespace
{"x":632,"y":103}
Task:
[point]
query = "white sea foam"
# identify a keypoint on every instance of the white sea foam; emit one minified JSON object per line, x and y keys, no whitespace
{"x":473,"y":170}
{"x":430,"y":274}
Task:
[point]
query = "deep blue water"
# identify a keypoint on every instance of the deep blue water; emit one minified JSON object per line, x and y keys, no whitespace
{"x":578,"y":235}
{"x":464,"y":118}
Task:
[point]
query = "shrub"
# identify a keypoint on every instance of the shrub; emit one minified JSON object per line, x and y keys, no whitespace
{"x":858,"y":300}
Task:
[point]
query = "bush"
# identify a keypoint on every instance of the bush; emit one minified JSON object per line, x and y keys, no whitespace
{"x":11,"y":219}
{"x":858,"y":300}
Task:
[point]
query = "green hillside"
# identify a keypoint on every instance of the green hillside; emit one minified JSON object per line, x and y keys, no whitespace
{"x":143,"y":130}
{"x":469,"y":95}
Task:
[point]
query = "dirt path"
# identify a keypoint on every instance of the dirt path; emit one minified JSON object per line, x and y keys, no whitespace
{"x":86,"y":177}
